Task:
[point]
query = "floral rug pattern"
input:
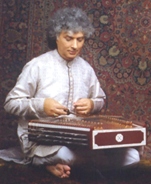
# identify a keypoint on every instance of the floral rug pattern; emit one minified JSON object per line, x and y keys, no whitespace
{"x":119,"y":51}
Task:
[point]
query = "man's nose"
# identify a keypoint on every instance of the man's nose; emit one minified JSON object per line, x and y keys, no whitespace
{"x":74,"y":44}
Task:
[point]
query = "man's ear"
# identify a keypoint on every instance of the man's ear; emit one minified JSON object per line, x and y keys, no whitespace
{"x":57,"y":37}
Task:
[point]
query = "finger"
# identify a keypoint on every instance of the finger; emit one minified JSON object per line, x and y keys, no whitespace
{"x":61,"y":108}
{"x":82,"y":112}
{"x":61,"y":111}
{"x":81,"y":108}
{"x":79,"y":104}
{"x":55,"y":115}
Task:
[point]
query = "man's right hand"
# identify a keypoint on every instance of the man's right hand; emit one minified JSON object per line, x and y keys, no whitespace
{"x":54,"y":108}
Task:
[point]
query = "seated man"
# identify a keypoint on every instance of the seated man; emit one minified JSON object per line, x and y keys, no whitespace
{"x":53,"y":83}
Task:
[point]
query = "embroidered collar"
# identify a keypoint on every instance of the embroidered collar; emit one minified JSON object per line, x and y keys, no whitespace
{"x":60,"y":59}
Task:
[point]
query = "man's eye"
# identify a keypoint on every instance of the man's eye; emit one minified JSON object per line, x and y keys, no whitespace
{"x":80,"y":39}
{"x":68,"y":38}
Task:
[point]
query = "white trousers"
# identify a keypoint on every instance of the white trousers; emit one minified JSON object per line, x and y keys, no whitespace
{"x":115,"y":158}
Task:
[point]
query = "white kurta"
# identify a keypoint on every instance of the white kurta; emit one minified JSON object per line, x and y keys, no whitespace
{"x":50,"y":76}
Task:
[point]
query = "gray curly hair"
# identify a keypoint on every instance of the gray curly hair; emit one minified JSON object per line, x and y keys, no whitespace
{"x":68,"y":19}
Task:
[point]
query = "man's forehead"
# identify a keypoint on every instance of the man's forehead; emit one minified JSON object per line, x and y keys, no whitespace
{"x":73,"y":34}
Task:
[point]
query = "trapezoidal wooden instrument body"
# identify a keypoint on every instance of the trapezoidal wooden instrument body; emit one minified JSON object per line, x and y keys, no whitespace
{"x":96,"y":132}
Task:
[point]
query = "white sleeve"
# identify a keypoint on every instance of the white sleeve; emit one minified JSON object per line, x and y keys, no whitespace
{"x":97,"y":94}
{"x":20,"y":100}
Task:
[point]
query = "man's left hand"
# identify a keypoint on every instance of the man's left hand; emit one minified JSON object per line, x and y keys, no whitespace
{"x":83,"y":106}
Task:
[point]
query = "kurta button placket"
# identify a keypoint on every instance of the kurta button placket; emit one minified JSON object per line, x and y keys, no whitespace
{"x":70,"y":97}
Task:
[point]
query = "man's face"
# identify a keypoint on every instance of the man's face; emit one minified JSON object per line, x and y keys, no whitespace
{"x":70,"y":44}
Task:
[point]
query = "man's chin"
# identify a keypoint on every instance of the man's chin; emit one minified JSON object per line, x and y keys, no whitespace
{"x":70,"y":58}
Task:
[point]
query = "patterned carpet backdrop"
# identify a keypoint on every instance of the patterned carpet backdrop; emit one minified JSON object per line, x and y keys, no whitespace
{"x":119,"y":50}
